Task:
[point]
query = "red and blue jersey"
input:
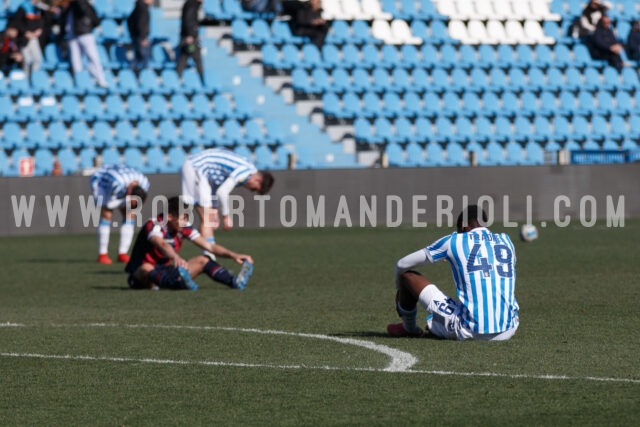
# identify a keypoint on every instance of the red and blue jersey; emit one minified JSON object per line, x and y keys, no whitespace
{"x":146,"y":252}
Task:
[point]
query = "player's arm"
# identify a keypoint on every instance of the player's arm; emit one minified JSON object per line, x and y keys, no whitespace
{"x":168,"y":251}
{"x":223,"y":198}
{"x":429,"y":255}
{"x":221,"y":251}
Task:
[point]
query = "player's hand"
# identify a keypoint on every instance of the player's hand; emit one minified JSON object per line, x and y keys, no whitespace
{"x":227,"y":224}
{"x":240,"y":258}
{"x":178,"y":261}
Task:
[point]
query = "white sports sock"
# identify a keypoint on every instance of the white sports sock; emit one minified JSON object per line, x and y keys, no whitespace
{"x":126,"y":236}
{"x":104,"y":228}
{"x":408,"y":318}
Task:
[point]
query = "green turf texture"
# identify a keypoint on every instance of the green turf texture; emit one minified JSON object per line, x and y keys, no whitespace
{"x":578,"y":290}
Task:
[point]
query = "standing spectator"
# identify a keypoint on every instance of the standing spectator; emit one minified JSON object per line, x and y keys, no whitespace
{"x":139,"y":23}
{"x":189,"y":42}
{"x":307,"y":22}
{"x":633,"y":42}
{"x":262,"y":6}
{"x":78,"y":21}
{"x":605,"y":45}
{"x":591,"y":15}
{"x":10,"y":53}
{"x":29,"y":21}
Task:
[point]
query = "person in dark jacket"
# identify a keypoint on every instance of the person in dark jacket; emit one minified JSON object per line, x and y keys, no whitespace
{"x":10,"y":54}
{"x":189,"y":42}
{"x":591,"y":15}
{"x":139,"y":23}
{"x":633,"y":42}
{"x":307,"y":22}
{"x":605,"y":44}
{"x":29,"y":21}
{"x":78,"y":21}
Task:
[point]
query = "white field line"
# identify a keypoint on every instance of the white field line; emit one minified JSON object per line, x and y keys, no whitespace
{"x":397,"y":365}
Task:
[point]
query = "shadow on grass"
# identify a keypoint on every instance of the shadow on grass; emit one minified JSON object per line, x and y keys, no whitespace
{"x":109,"y":272}
{"x":56,"y":261}
{"x":111,"y":288}
{"x":377,"y":334}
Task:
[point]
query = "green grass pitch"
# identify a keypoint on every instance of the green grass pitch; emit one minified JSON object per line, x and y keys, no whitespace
{"x":202,"y":358}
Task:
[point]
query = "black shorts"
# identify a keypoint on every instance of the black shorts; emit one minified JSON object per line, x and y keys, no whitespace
{"x":137,"y":284}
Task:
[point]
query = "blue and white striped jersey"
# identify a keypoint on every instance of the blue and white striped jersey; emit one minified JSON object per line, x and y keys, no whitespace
{"x":217,"y":165}
{"x":483,"y":265}
{"x":116,"y":178}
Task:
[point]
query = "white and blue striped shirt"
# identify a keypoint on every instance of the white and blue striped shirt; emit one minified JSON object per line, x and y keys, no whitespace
{"x":217,"y":165}
{"x":483,"y":265}
{"x":116,"y":178}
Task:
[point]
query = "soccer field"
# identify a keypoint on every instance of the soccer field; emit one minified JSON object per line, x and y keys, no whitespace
{"x":305,"y":343}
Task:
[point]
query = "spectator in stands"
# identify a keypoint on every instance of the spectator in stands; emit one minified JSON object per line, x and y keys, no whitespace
{"x":633,"y":42}
{"x":139,"y":23}
{"x":262,"y":6}
{"x":605,"y":45}
{"x":29,"y":21}
{"x":189,"y":41}
{"x":307,"y":22}
{"x":78,"y":21}
{"x":10,"y":54}
{"x":591,"y":15}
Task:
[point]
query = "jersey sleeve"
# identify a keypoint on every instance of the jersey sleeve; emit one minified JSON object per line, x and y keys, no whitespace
{"x":242,"y":174}
{"x":437,"y":251}
{"x":153,"y":230}
{"x":190,"y":233}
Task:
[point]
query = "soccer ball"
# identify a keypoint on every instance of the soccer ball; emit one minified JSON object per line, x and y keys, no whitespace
{"x":528,"y":233}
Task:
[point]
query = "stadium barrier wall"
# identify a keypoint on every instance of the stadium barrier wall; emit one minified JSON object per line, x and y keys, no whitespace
{"x":580,"y":188}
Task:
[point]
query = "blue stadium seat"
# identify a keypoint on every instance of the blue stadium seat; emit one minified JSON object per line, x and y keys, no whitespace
{"x":177,"y":157}
{"x":439,"y":32}
{"x":18,"y":83}
{"x":26,"y":109}
{"x":36,"y":136}
{"x":110,"y":156}
{"x":448,"y":55}
{"x":424,"y":130}
{"x":133,"y":158}
{"x":361,"y":80}
{"x":282,"y":157}
{"x":370,"y":56}
{"x":168,"y":134}
{"x":435,"y":155}
{"x":350,"y":56}
{"x":464,"y":129}
{"x":147,"y":134}
{"x":189,"y":133}
{"x":125,"y":135}
{"x":156,"y":162}
{"x":491,"y":105}
{"x":487,"y":56}
{"x":409,"y":10}
{"x":361,"y":32}
{"x":149,"y":81}
{"x":351,"y":105}
{"x":384,"y":130}
{"x":418,"y":27}
{"x":586,"y":102}
{"x":264,"y":157}
{"x":431,"y":105}
{"x":530,"y":104}
{"x":581,"y":128}
{"x":573,"y":79}
{"x":568,"y":103}
{"x":93,"y":109}
{"x":392,"y":107}
{"x":624,"y":103}
{"x":630,"y":79}
{"x":58,"y":136}
{"x":158,"y":108}
{"x":525,"y":56}
{"x":160,"y":58}
{"x":484,"y":129}
{"x":412,"y":104}
{"x":611,"y":78}
{"x":459,"y":79}
{"x":415,"y":155}
{"x":362,"y":131}
{"x":180,"y":108}
{"x":49,"y":108}
{"x":136,"y":108}
{"x":115,"y":108}
{"x":12,"y":136}
{"x":68,"y":161}
{"x":544,"y":55}
{"x":522,"y":129}
{"x":270,"y":56}
{"x":339,"y":33}
{"x":561,"y":127}
{"x":331,"y":56}
{"x":510,"y":104}
{"x":244,"y":151}
{"x":421,"y":80}
{"x":503,"y":131}
{"x":201,"y":107}
{"x":542,"y":129}
{"x":599,"y":127}
{"x":109,"y":32}
{"x":170,"y":81}
{"x":371,"y":105}
{"x":290,"y":57}
{"x":87,"y":158}
{"x":440,"y":79}
{"x":192,"y":82}
{"x":52,"y":55}
{"x":241,"y":32}
{"x":468,"y":56}
{"x":395,"y":155}
{"x":455,"y":155}
{"x":451,"y":104}
{"x":506,"y":56}
{"x":381,"y":81}
{"x":445,"y":132}
{"x":554,"y":79}
{"x":281,"y":33}
{"x":102,"y":135}
{"x":534,"y":154}
{"x":606,"y":104}
{"x":498,"y":79}
{"x":410,"y":56}
{"x":43,"y":161}
{"x":211,"y":133}
{"x":548,"y":104}
{"x":592,"y":79}
{"x":495,"y":155}
{"x":127,"y":82}
{"x":390,"y":56}
{"x":40,"y":83}
{"x":479,"y":81}
{"x":122,"y":8}
{"x":404,"y":130}
{"x":233,"y":133}
{"x":80,"y":135}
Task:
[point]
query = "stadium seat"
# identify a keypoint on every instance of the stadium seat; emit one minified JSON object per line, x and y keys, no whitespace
{"x":176,"y":158}
{"x":114,"y":108}
{"x":43,"y":161}
{"x":80,"y":135}
{"x":132,"y":158}
{"x":68,"y":161}
{"x":415,"y":155}
{"x":94,"y":109}
{"x":156,"y":162}
{"x":395,"y":155}
{"x":264,"y":157}
{"x":102,"y":135}
{"x":40,"y":82}
{"x":26,"y":109}
{"x":87,"y":158}
{"x":435,"y":155}
{"x":49,"y":108}
{"x":534,"y":154}
{"x":404,"y":130}
{"x":168,"y":135}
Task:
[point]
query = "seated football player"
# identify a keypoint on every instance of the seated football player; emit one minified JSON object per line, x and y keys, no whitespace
{"x":156,"y":264}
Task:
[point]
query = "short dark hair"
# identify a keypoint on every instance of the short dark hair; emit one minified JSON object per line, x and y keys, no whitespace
{"x":267,"y":182}
{"x":175,"y":204}
{"x":139,"y":191}
{"x":473,"y":212}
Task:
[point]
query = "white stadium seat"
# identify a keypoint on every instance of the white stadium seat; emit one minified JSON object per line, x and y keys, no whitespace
{"x":502,"y":9}
{"x":380,"y":29}
{"x":515,"y":33}
{"x":534,"y":32}
{"x":373,"y":8}
{"x":402,"y":33}
{"x":521,"y":9}
{"x":351,"y":10}
{"x":458,"y":31}
{"x":496,"y":33}
{"x":541,"y":12}
{"x":331,"y":10}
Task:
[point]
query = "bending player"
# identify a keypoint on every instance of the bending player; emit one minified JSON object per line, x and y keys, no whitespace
{"x":484,"y":271}
{"x":209,"y":177}
{"x":112,"y":186}
{"x":155,"y":262}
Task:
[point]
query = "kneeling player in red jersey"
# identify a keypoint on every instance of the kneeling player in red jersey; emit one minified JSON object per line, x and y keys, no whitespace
{"x":155,"y":262}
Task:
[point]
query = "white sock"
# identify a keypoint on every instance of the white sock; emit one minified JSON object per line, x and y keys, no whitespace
{"x":408,"y":318}
{"x":104,"y":228}
{"x":126,"y":236}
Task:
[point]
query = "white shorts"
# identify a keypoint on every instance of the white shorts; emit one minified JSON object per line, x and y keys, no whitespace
{"x":446,"y":314}
{"x":195,"y":188}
